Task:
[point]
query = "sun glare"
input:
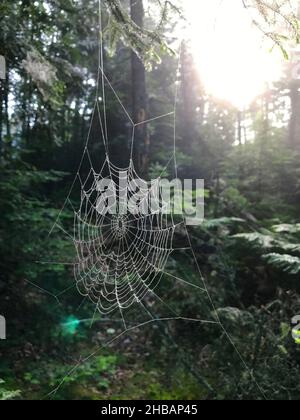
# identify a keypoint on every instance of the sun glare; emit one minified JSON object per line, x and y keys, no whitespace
{"x":234,"y":59}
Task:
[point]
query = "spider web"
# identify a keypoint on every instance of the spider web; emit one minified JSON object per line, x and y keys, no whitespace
{"x":120,"y":259}
{"x":120,"y":256}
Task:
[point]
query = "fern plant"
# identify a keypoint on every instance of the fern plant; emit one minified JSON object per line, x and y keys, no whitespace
{"x":279,"y":247}
{"x":285,"y":262}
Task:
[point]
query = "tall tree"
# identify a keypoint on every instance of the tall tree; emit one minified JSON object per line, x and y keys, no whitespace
{"x":294,"y":88}
{"x":139,"y":95}
{"x":294,"y":124}
{"x":189,"y":98}
{"x":1,"y":113}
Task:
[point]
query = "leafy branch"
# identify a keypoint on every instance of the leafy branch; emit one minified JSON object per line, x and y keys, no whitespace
{"x":146,"y":43}
{"x":277,"y":20}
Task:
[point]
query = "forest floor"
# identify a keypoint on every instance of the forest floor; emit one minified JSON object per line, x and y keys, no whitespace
{"x":136,"y":366}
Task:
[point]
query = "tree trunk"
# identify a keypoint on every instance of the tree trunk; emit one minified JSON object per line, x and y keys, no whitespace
{"x":240,"y":128}
{"x":294,"y":125}
{"x":139,"y":97}
{"x":1,"y":117}
{"x":189,"y":97}
{"x":7,"y":120}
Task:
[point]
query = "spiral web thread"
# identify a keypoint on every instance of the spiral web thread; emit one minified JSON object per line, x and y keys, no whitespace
{"x":120,"y":259}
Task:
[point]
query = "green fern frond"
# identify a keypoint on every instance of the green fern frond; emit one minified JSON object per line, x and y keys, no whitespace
{"x":268,"y":242}
{"x":256,"y":240}
{"x":288,"y":247}
{"x":6,"y":394}
{"x":287,"y":228}
{"x":287,"y":263}
{"x":223,"y":221}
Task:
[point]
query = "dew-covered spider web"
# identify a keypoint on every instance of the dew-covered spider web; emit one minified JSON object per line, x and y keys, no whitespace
{"x":120,"y":256}
{"x":124,"y":262}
